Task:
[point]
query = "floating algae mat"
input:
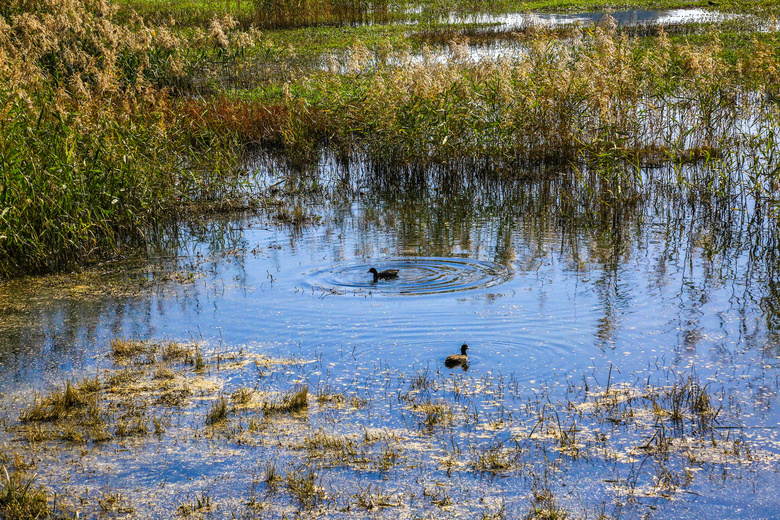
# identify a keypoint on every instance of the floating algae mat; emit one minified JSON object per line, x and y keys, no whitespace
{"x":623,"y":362}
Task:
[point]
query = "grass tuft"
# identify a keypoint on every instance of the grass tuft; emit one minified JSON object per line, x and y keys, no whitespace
{"x":20,"y":499}
{"x":302,"y":484}
{"x":218,"y":412}
{"x":125,"y":350}
{"x":295,"y":400}
{"x":61,"y":402}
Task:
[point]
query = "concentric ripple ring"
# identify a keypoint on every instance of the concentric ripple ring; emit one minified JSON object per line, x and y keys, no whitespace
{"x":416,"y":276}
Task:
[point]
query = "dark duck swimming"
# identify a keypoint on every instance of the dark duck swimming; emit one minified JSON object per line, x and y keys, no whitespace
{"x":387,"y":274}
{"x":456,"y":360}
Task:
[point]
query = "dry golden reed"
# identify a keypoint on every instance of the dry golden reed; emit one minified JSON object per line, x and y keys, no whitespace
{"x":94,"y":149}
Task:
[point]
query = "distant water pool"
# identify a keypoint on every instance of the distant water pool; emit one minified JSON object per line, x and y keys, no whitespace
{"x":622,"y":18}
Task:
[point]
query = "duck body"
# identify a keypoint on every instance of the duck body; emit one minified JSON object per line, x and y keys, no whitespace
{"x":456,"y":360}
{"x":387,"y":274}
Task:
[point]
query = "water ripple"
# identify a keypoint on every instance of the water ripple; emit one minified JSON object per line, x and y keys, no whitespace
{"x":416,"y":276}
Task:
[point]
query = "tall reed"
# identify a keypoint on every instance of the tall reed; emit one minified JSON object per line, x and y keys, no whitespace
{"x":602,"y":101}
{"x":91,"y":152}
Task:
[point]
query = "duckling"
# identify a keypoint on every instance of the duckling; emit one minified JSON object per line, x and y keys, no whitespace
{"x":458,"y":359}
{"x":387,"y":274}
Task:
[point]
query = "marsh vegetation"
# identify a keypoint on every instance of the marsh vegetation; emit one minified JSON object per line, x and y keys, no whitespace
{"x":323,"y":456}
{"x":146,"y":123}
{"x":593,"y":207}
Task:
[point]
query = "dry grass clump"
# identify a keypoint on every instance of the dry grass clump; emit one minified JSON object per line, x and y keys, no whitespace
{"x":375,"y":499}
{"x":174,"y":397}
{"x":130,"y":426}
{"x":688,"y":399}
{"x":63,"y":402}
{"x":164,"y":373}
{"x":114,"y":502}
{"x":122,"y":378}
{"x":544,"y":506}
{"x":218,"y":412}
{"x":272,"y":477}
{"x":434,"y":414}
{"x":125,"y":350}
{"x":347,"y":450}
{"x":242,"y":396}
{"x":327,"y":395}
{"x":292,"y":401}
{"x":159,"y":354}
{"x":173,"y":352}
{"x":20,"y":498}
{"x":76,"y":412}
{"x":302,"y":484}
{"x":200,"y":505}
{"x":494,"y":459}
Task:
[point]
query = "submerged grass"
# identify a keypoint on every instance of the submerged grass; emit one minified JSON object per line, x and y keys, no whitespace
{"x":320,"y":463}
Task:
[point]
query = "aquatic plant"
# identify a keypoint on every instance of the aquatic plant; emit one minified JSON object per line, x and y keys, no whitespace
{"x":272,"y":477}
{"x":433,"y":414}
{"x":302,"y":484}
{"x":61,"y":402}
{"x":368,"y":499}
{"x":92,"y":154}
{"x":242,"y":395}
{"x":122,"y":349}
{"x":218,"y":412}
{"x":292,"y":401}
{"x":20,"y":498}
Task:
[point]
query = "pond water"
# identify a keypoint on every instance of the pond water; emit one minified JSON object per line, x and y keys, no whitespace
{"x":622,"y":18}
{"x":547,"y":291}
{"x":500,"y":42}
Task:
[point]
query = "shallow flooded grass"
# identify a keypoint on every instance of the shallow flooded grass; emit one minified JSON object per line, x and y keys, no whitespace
{"x":472,"y":156}
{"x":644,"y":441}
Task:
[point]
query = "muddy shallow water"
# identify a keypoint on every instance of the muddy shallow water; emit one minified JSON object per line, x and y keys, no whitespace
{"x":548,"y":293}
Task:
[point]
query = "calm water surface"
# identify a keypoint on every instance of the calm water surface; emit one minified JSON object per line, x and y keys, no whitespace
{"x":544,"y":289}
{"x":622,"y":18}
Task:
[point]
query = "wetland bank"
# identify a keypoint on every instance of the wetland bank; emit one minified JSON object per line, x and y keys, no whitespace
{"x":192,"y":193}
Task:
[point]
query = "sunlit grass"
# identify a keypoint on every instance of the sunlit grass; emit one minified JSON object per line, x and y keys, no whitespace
{"x":490,"y":431}
{"x":21,"y":498}
{"x":292,"y":401}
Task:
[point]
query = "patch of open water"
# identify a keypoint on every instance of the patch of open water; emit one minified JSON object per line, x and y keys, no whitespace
{"x":621,"y":18}
{"x":545,"y":294}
